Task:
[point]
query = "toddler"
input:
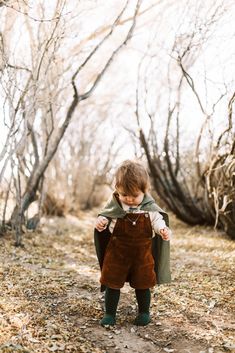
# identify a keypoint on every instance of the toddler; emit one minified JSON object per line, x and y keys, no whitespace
{"x":132,"y":242}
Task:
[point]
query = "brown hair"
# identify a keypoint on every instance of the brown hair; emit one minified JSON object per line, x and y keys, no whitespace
{"x":131,"y":177}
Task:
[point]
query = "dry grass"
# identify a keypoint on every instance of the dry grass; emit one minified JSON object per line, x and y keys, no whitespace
{"x":50,"y":299}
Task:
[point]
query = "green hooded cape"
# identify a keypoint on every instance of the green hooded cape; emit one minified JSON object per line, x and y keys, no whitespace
{"x":160,"y":247}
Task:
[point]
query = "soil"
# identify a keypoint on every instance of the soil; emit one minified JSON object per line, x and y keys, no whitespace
{"x":50,"y":299}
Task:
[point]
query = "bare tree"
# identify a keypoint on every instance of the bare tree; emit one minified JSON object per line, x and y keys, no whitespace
{"x":219,"y":176}
{"x":84,"y":161}
{"x":35,"y":99}
{"x":196,"y":186}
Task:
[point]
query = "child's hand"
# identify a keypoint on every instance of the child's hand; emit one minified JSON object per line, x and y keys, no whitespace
{"x":101,"y":223}
{"x":165,"y":233}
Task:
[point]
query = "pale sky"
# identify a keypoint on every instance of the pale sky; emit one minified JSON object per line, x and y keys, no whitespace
{"x":214,"y":64}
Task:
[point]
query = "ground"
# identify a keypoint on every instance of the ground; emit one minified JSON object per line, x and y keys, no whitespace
{"x":50,"y":299}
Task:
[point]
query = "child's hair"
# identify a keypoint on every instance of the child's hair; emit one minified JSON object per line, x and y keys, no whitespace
{"x":131,"y":177}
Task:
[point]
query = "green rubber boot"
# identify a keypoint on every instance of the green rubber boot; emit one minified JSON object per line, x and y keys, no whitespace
{"x":143,"y":319}
{"x":108,"y":320}
{"x":111,"y":303}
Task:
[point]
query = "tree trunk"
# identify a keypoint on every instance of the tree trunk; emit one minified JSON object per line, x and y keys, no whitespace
{"x":29,"y":194}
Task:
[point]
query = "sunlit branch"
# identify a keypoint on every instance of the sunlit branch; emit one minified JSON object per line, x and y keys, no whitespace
{"x":115,"y":52}
{"x":101,"y":42}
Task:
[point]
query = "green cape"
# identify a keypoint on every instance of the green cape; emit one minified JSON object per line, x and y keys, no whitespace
{"x":160,"y":247}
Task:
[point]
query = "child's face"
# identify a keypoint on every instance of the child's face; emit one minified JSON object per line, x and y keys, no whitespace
{"x":131,"y":200}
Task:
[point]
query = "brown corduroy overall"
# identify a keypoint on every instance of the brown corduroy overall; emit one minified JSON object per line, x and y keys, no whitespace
{"x":128,"y":256}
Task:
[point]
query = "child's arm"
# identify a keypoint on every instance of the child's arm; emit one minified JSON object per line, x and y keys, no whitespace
{"x":159,"y":225}
{"x":101,"y":223}
{"x":165,"y":233}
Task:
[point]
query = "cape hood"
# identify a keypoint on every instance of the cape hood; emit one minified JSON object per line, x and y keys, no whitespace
{"x":113,"y":208}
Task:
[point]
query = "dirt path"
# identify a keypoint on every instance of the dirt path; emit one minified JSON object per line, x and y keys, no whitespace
{"x":50,"y":299}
